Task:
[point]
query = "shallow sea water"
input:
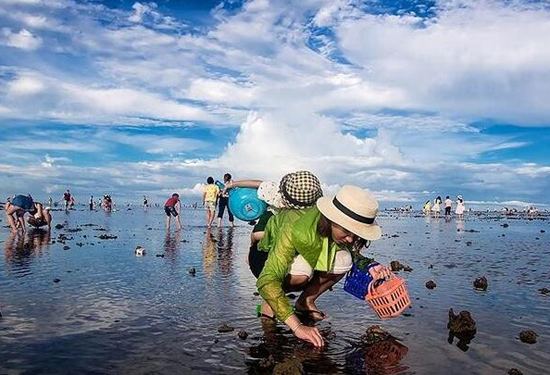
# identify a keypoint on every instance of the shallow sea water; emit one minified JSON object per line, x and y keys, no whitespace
{"x":115,"y":313}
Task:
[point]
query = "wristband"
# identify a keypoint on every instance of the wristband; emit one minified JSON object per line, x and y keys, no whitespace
{"x":297,"y":326}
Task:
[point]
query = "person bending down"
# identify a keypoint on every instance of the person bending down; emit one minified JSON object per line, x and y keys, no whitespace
{"x":21,"y":204}
{"x":311,"y":252}
{"x":172,"y":207}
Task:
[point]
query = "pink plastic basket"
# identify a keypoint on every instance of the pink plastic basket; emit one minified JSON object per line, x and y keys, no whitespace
{"x":390,"y":298}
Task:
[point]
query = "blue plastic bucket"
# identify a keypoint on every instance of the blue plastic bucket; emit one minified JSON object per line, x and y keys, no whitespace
{"x":245,"y":204}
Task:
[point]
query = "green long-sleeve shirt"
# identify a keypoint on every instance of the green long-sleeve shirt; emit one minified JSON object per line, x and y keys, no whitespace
{"x":286,"y":236}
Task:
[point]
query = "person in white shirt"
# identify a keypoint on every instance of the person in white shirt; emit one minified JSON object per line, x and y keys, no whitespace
{"x":448,"y":206}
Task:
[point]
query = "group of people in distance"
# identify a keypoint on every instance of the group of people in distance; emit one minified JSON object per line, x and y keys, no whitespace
{"x":214,"y":195}
{"x":435,"y":209}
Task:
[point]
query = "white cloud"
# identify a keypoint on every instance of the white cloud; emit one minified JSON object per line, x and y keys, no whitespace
{"x":23,"y":39}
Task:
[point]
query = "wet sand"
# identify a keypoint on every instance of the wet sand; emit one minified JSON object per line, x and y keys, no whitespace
{"x":86,"y":305}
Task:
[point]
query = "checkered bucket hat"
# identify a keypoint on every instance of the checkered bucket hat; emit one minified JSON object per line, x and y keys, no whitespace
{"x":300,"y":189}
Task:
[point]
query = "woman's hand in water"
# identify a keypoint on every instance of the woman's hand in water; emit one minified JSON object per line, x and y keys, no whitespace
{"x":380,"y":272}
{"x":309,"y":334}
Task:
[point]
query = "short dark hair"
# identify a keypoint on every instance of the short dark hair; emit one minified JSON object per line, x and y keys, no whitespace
{"x":324,"y":229}
{"x":175,"y":195}
{"x":210,"y":180}
{"x":227,"y":177}
{"x":447,"y":197}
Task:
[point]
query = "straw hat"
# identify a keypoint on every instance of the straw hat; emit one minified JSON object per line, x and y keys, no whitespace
{"x":300,"y":189}
{"x":354,"y":209}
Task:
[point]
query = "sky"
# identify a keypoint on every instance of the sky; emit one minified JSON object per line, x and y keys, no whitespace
{"x":409,"y":99}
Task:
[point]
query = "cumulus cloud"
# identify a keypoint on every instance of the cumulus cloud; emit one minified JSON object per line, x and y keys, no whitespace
{"x":23,"y":39}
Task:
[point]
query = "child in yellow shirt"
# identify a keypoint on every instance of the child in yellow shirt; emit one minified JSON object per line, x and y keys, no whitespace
{"x":209,"y":200}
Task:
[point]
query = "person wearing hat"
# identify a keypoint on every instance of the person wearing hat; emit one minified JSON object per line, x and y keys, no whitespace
{"x":286,"y":201}
{"x":312,"y":252}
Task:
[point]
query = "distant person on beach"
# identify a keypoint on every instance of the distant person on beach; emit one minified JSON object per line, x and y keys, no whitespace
{"x":67,"y":198}
{"x":448,"y":206}
{"x":172,"y":207}
{"x":435,"y":208}
{"x":310,"y":251}
{"x":145,"y":202}
{"x":460,"y":207}
{"x":209,"y":200}
{"x":224,"y":201}
{"x":107,"y":203}
{"x":50,"y":202}
{"x":72,"y":203}
{"x":91,"y":202}
{"x":21,"y":204}
{"x":427,"y":207}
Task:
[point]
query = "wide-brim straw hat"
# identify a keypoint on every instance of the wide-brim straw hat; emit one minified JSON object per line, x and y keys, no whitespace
{"x":354,"y":209}
{"x":300,"y":189}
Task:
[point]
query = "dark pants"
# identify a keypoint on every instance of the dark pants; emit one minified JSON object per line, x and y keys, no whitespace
{"x":447,"y":210}
{"x":221,"y":208}
{"x":256,"y":259}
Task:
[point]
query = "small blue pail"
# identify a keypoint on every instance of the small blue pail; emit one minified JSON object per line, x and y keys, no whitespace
{"x":245,"y":204}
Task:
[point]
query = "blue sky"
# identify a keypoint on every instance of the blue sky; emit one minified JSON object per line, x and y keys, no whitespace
{"x":410,"y":99}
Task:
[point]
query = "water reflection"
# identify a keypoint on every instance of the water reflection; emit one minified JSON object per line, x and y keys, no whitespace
{"x":21,"y":248}
{"x":225,"y":251}
{"x":380,"y":358}
{"x":208,"y":253}
{"x":171,"y":244}
{"x":282,"y":353}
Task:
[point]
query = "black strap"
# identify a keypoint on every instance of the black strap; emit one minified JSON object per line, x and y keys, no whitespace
{"x":346,"y":211}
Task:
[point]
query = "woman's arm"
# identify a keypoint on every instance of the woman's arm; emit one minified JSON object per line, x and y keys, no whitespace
{"x":254,"y":184}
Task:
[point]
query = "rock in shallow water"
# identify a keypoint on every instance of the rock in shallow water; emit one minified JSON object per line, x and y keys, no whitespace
{"x":481,"y":283}
{"x":430,"y":284}
{"x":291,"y":367}
{"x":461,"y":323}
{"x":514,"y":371}
{"x":225,"y":328}
{"x":375,"y":334}
{"x":242,"y":334}
{"x":528,"y":336}
{"x":544,"y":291}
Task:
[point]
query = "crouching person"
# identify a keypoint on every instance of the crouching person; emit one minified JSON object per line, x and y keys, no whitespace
{"x":312,"y":253}
{"x":21,"y":204}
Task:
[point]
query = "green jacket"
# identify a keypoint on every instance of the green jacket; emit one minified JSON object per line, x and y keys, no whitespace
{"x":288,"y":234}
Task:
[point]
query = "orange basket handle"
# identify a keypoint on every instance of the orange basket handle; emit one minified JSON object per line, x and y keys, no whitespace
{"x":378,"y":282}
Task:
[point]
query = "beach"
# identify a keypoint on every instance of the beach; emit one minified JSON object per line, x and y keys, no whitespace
{"x":82,"y":304}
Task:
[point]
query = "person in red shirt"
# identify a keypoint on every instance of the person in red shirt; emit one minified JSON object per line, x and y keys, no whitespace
{"x":172,"y":207}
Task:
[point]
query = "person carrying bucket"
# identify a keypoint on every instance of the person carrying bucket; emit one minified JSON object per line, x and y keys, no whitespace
{"x":310,"y":251}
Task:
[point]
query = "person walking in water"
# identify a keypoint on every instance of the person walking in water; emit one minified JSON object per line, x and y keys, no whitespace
{"x":91,"y":202}
{"x":448,"y":206}
{"x":427,"y":207}
{"x":224,"y":201}
{"x":172,"y":207}
{"x":209,"y":200}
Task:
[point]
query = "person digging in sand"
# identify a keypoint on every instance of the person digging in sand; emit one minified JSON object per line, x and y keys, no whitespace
{"x":311,"y":252}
